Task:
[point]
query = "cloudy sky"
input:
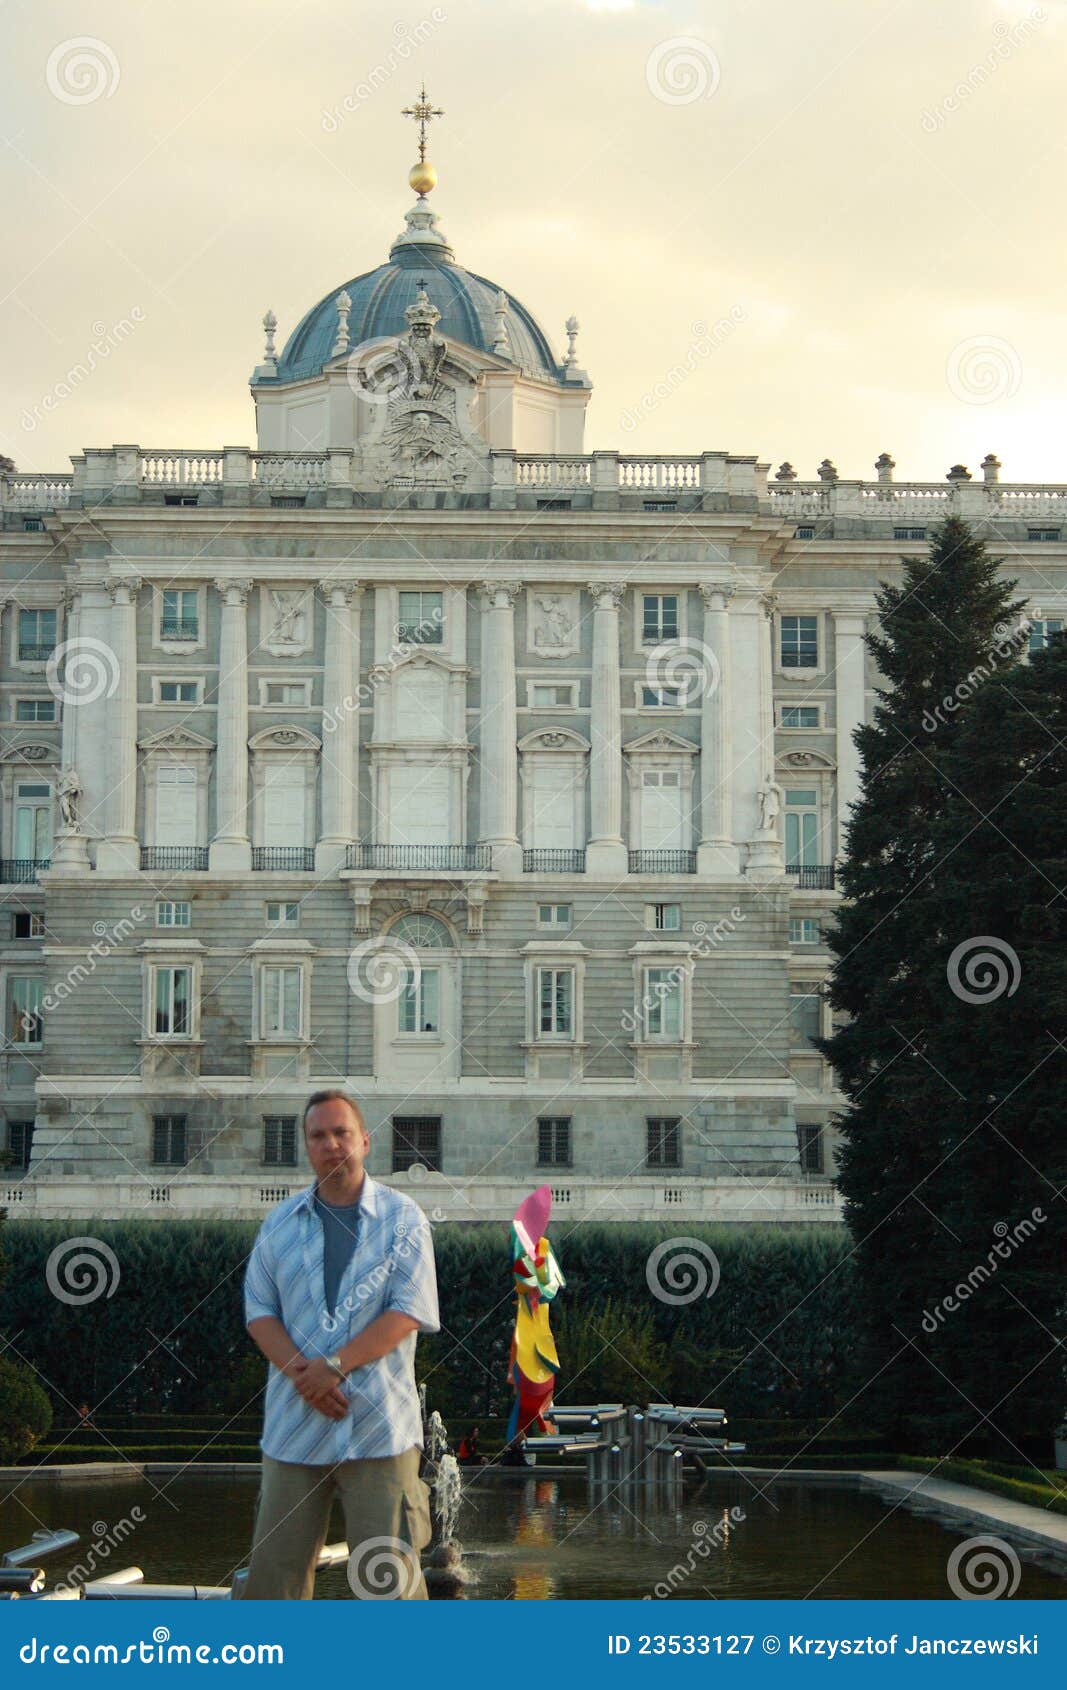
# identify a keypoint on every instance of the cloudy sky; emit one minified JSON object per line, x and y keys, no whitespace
{"x":839,"y":223}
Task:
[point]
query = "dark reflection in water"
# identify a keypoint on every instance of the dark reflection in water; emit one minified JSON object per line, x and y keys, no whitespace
{"x":538,"y":1539}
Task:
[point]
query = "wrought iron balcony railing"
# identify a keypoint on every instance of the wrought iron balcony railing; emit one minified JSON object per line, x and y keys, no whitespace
{"x":292,"y":859}
{"x":22,"y":869}
{"x":812,"y":877}
{"x":464,"y":859}
{"x":179,"y":628}
{"x":662,"y":862}
{"x":174,"y":857}
{"x":36,"y":653}
{"x":553,"y":862}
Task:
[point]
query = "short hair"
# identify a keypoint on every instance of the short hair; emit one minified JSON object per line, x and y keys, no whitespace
{"x":328,"y":1097}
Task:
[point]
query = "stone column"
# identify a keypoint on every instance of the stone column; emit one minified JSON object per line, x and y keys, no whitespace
{"x":119,"y":852}
{"x":340,"y":723}
{"x":498,"y":796}
{"x":606,"y":853}
{"x":717,"y":853}
{"x":849,"y":656}
{"x":231,"y":848}
{"x":765,"y":856}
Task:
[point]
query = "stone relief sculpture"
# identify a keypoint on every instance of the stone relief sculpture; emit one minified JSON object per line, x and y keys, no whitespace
{"x":68,"y":791}
{"x":770,"y":805}
{"x":553,"y":620}
{"x":287,"y":621}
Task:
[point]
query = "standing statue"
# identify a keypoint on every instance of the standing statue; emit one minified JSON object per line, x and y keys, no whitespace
{"x":68,"y":791}
{"x":533,"y":1362}
{"x":770,"y":804}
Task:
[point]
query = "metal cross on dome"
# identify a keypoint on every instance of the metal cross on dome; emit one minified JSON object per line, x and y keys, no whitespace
{"x":423,"y":113}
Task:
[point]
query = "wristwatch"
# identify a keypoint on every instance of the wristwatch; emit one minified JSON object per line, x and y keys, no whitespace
{"x":335,"y":1362}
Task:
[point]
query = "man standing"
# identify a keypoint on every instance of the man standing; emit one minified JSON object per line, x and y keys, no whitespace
{"x":340,"y":1279}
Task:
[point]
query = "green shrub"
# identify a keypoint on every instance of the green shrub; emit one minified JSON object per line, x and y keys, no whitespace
{"x":25,"y":1411}
{"x":992,"y":1477}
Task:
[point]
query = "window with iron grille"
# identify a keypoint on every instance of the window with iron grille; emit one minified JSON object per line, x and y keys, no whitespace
{"x":800,"y":642}
{"x":421,"y":618}
{"x":809,"y":1139}
{"x":909,"y":533}
{"x":20,"y":1142}
{"x":416,"y":1138}
{"x":659,"y":618}
{"x":35,"y":710}
{"x":170,"y":1140}
{"x":554,"y":1141}
{"x":37,"y":635}
{"x":279,"y":1141}
{"x":664,"y":1142}
{"x":1042,"y":533}
{"x":179,"y":614}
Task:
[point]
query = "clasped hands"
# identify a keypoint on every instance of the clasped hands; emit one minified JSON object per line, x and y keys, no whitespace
{"x":319,"y":1385}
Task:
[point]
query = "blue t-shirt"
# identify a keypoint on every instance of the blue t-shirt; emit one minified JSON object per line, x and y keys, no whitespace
{"x":340,"y":1224}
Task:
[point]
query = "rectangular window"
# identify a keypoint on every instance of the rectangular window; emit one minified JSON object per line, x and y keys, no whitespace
{"x":416,"y":1138}
{"x":663,"y":1004}
{"x":279,"y":1141}
{"x":282,"y":1015}
{"x":801,"y":828}
{"x":283,"y":915}
{"x":420,"y":1005}
{"x":805,"y":1013}
{"x":180,"y":614}
{"x":663,"y":918}
{"x":800,"y":716}
{"x":800,"y":642}
{"x":37,"y":635}
{"x":173,"y":992}
{"x":170,"y":1140}
{"x":286,"y":692}
{"x":35,"y":710}
{"x":20,"y":1142}
{"x":26,"y":925}
{"x":909,"y":533}
{"x":554,"y":916}
{"x":1042,"y":632}
{"x":809,"y":1140}
{"x":1042,"y":533}
{"x":173,"y":913}
{"x":25,"y":1017}
{"x":805,"y":532}
{"x":659,"y":618}
{"x":661,"y":698}
{"x":803,"y":930}
{"x":545,"y":695}
{"x":664,"y":1142}
{"x":421,"y":618}
{"x":555,"y":1003}
{"x":178,"y":692}
{"x":33,"y":821}
{"x":554,"y":1141}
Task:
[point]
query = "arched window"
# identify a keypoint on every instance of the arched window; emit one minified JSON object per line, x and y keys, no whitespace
{"x":423,"y":932}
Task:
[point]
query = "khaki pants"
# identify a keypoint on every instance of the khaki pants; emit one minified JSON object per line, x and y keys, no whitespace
{"x":387,"y":1521}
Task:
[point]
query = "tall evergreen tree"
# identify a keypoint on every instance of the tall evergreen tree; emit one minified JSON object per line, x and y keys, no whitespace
{"x":940,"y":632}
{"x":998,"y":970}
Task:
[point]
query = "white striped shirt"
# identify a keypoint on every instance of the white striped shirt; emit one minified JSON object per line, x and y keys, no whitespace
{"x":392,"y":1267}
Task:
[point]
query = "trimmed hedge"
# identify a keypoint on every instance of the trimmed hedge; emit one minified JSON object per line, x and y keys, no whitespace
{"x":996,"y":1478}
{"x":794,"y":1289}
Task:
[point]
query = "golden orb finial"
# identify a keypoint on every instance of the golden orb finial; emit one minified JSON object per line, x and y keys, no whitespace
{"x":422,"y":176}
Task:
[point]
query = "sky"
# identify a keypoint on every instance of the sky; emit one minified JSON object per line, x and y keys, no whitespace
{"x":795,"y":228}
